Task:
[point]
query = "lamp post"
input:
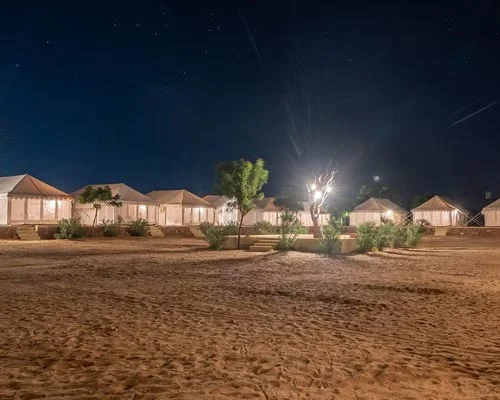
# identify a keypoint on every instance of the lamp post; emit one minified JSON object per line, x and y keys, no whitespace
{"x":318,"y":191}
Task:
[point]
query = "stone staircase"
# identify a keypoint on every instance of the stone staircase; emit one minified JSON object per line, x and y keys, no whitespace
{"x":155,"y":231}
{"x":440,"y":231}
{"x":264,"y":245}
{"x":197,"y":233}
{"x":27,"y":232}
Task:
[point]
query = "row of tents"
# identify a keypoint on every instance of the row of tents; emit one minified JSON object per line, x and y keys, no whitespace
{"x":26,"y":200}
{"x":437,"y":211}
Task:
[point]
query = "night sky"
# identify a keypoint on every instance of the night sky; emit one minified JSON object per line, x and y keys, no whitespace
{"x":154,"y":95}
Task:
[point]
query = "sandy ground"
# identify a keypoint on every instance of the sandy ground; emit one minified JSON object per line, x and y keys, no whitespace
{"x":167,"y":319}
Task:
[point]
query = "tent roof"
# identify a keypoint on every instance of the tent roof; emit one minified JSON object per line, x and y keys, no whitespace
{"x":183,"y":197}
{"x":493,"y":206}
{"x":216,"y":200}
{"x":126,"y":193}
{"x":440,"y":203}
{"x":382,"y":205}
{"x":26,"y":185}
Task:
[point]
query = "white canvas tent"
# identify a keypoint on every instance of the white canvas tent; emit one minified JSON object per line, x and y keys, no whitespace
{"x":135,"y":206}
{"x":181,"y":207}
{"x":492,"y":214}
{"x":304,"y":216}
{"x":376,"y":210}
{"x":224,"y":214}
{"x":27,"y":200}
{"x":440,"y":211}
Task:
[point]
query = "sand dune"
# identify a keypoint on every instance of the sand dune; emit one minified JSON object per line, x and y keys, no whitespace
{"x":163,"y":319}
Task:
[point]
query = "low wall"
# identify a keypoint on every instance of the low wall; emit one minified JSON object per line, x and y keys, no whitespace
{"x":182,"y":231}
{"x":473,"y":231}
{"x":305,"y":243}
{"x":8,"y":232}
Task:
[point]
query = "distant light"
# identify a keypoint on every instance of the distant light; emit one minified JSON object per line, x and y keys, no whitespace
{"x":328,"y":189}
{"x":317,"y":196}
{"x":388,"y":213}
{"x":376,"y":178}
{"x":313,"y":186}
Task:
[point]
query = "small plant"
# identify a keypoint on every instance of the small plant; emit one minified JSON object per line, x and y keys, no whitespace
{"x":400,"y":237}
{"x":138,"y":227}
{"x":414,"y":234}
{"x":69,"y":229}
{"x":289,"y":228}
{"x":215,"y":236}
{"x":230,"y":229}
{"x":330,"y":243}
{"x":204,"y":226}
{"x":119,"y":220}
{"x":264,"y":228}
{"x":366,"y":236}
{"x":110,"y":228}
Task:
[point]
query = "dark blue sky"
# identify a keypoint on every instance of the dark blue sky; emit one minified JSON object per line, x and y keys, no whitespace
{"x":154,"y":95}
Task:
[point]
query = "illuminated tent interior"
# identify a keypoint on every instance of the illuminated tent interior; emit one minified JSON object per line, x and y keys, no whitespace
{"x":440,"y":211}
{"x":27,"y":200}
{"x":376,"y":210}
{"x":135,"y":206}
{"x":181,"y":207}
{"x":223,"y":213}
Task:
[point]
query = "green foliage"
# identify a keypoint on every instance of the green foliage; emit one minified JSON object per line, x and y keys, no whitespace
{"x":241,"y":181}
{"x":264,"y":228}
{"x":110,"y":228}
{"x":215,"y":236}
{"x":138,"y":227}
{"x":289,"y":228}
{"x":414,"y":235}
{"x":230,"y":229}
{"x":99,"y":197}
{"x":372,"y":190}
{"x":366,"y":236}
{"x":330,"y":243}
{"x":204,"y":226}
{"x":289,"y":203}
{"x":69,"y":229}
{"x":119,"y":220}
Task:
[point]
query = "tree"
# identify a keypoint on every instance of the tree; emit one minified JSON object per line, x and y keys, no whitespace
{"x":368,"y":191}
{"x":318,"y":191}
{"x":99,"y":197}
{"x":289,"y":202}
{"x":242,"y":182}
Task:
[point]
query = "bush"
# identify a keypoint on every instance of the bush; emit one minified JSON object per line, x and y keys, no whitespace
{"x":289,"y":228}
{"x":69,"y":229}
{"x":400,"y":237}
{"x":264,"y":228}
{"x":110,"y":228}
{"x":230,"y":229}
{"x":215,"y":236}
{"x":330,"y":243}
{"x":414,"y":234}
{"x":138,"y":227}
{"x":366,"y":236}
{"x":204,"y":227}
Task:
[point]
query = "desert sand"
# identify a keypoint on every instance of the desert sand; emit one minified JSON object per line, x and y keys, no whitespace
{"x":168,"y":319}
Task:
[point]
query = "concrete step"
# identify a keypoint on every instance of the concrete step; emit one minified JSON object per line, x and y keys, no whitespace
{"x":268,"y":241}
{"x":27,"y":233}
{"x":260,"y":249}
{"x":197,"y":233}
{"x":155,"y":231}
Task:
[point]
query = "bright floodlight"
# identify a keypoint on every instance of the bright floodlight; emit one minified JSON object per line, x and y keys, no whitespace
{"x":317,"y":195}
{"x":313,"y":186}
{"x":328,"y":189}
{"x":376,"y":178}
{"x":389,"y":213}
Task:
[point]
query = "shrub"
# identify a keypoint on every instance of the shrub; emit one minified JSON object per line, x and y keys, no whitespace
{"x":69,"y":229}
{"x":289,"y":228}
{"x":414,"y":234}
{"x":215,"y":236}
{"x":230,"y":229}
{"x":110,"y":228}
{"x":138,"y":227}
{"x":264,"y":228}
{"x":119,"y":220}
{"x":204,"y":227}
{"x":400,"y":237}
{"x":330,"y":243}
{"x":366,"y":236}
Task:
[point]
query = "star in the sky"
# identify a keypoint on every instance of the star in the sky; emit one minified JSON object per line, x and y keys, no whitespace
{"x":47,"y":42}
{"x":18,"y":65}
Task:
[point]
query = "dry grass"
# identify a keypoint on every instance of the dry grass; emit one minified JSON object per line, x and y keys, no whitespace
{"x":165,"y":319}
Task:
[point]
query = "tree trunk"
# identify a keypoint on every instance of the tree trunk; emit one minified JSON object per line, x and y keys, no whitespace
{"x":95,"y":218}
{"x":316,"y":229}
{"x":239,"y":231}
